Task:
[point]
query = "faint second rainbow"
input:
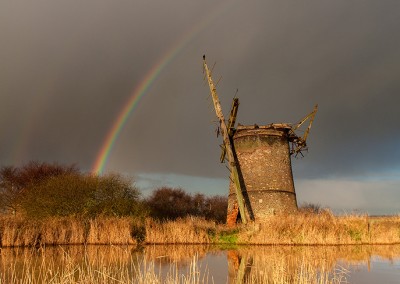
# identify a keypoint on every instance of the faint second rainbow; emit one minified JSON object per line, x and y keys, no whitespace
{"x":144,"y":85}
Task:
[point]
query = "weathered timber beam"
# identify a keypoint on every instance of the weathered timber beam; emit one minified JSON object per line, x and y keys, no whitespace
{"x":225,"y":135}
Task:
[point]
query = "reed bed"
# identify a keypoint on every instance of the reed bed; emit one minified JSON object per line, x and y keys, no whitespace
{"x":147,"y":273}
{"x":321,"y":229}
{"x":296,"y":229}
{"x":107,"y":231}
{"x":110,"y":264}
{"x":98,"y":270}
{"x":18,"y":231}
{"x":190,"y":230}
{"x":185,"y":264}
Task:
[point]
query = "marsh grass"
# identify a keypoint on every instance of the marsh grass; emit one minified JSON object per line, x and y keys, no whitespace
{"x":118,"y":267}
{"x":322,"y":229}
{"x":190,"y":230}
{"x":185,"y":264}
{"x":107,"y":231}
{"x":121,"y":265}
{"x":18,"y":231}
{"x":297,"y":229}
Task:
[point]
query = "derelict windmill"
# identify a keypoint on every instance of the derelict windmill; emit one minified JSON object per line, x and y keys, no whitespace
{"x":259,"y":161}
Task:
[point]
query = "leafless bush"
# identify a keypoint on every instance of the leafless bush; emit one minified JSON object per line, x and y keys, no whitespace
{"x":172,"y":203}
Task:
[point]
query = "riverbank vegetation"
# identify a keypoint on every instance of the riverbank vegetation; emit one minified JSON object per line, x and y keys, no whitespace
{"x":170,"y":264}
{"x":48,"y":204}
{"x":300,"y":229}
{"x":188,"y":263}
{"x":42,"y":190}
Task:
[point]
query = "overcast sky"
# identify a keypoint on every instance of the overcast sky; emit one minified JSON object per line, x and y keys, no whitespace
{"x":67,"y":69}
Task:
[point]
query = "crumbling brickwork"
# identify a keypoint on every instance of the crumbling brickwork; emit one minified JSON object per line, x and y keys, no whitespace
{"x":264,"y":161}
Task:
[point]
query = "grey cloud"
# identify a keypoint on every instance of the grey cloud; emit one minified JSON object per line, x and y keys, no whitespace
{"x":68,"y":68}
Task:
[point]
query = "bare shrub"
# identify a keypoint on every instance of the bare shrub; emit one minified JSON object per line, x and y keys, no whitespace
{"x":172,"y":203}
{"x":169,"y":203}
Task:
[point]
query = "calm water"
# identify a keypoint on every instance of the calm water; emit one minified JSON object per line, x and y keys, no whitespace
{"x":354,"y":264}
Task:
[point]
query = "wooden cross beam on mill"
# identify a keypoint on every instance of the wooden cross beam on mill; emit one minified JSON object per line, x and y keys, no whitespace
{"x":259,"y":161}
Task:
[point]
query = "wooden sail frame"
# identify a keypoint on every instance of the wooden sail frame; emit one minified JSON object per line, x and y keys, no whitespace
{"x":227,"y":139}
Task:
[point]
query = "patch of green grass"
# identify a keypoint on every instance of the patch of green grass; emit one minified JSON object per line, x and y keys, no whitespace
{"x":228,"y":237}
{"x":355,"y":235}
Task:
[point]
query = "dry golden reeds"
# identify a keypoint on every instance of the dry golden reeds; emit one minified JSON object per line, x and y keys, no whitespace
{"x":296,"y":229}
{"x":119,"y":267}
{"x":181,"y":264}
{"x":190,"y":230}
{"x":321,"y":229}
{"x":107,"y":230}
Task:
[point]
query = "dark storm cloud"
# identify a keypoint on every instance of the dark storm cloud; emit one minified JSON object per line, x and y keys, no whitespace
{"x":68,"y":67}
{"x":341,"y":55}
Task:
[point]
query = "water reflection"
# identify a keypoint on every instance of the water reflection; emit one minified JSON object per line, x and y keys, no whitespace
{"x":250,"y":264}
{"x":299,"y":264}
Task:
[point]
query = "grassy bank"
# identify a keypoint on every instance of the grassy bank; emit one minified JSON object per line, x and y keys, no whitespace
{"x":299,"y":229}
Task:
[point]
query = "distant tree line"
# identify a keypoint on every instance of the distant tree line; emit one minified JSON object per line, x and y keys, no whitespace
{"x":40,"y":190}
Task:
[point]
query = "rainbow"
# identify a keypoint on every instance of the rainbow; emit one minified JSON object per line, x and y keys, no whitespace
{"x":145,"y":84}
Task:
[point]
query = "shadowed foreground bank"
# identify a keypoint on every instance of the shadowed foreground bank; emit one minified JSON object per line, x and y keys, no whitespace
{"x":296,"y":229}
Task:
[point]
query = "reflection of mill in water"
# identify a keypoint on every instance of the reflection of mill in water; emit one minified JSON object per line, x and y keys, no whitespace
{"x":291,"y":264}
{"x":259,"y":163}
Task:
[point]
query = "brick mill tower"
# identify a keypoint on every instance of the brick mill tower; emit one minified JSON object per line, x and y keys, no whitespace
{"x":259,"y":161}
